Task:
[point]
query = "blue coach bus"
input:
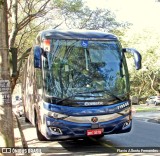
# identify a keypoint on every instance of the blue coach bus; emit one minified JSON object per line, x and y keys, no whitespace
{"x":76,"y":85}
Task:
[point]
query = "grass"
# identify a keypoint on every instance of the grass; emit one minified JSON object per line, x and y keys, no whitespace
{"x":144,"y":108}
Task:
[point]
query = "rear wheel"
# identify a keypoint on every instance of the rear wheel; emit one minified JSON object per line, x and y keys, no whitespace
{"x":26,"y":119}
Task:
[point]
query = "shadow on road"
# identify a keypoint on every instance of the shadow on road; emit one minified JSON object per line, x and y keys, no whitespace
{"x":64,"y":147}
{"x":88,"y":146}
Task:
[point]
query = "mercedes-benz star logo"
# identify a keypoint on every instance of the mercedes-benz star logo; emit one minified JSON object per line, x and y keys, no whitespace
{"x":94,"y":119}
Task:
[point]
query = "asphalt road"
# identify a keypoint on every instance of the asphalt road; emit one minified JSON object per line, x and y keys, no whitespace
{"x":143,"y":134}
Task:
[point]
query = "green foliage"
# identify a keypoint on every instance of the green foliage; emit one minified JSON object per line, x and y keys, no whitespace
{"x":35,"y":15}
{"x":1,"y":2}
{"x":68,"y":5}
{"x":146,"y":109}
{"x":144,"y":82}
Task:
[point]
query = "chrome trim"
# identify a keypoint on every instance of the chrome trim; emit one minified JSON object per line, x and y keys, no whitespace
{"x":101,"y":118}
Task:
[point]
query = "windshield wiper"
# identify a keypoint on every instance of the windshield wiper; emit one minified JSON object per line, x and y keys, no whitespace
{"x":76,"y":95}
{"x":91,"y":92}
{"x":105,"y":90}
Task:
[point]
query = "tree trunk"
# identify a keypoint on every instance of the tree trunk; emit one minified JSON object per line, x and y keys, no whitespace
{"x":6,"y":118}
{"x":12,"y":38}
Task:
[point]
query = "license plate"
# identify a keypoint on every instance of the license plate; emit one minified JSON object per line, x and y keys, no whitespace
{"x":94,"y":132}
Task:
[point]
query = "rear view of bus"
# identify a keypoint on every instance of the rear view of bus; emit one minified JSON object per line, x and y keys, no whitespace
{"x":80,"y":85}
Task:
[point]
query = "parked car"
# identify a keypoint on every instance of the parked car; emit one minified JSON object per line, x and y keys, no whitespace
{"x":153,"y":100}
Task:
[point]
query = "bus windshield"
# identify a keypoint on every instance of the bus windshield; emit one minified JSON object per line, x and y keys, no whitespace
{"x":84,"y":68}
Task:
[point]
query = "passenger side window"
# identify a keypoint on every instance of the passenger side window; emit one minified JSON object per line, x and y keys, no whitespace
{"x":39,"y":78}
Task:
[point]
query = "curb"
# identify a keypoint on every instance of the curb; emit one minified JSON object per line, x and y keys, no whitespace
{"x":24,"y":144}
{"x":22,"y":140}
{"x":17,"y":135}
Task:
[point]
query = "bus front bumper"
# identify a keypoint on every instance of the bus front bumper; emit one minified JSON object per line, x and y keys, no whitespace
{"x":62,"y":129}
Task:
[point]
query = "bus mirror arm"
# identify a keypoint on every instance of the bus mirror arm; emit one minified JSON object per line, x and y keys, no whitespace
{"x":137,"y":56}
{"x":37,"y":56}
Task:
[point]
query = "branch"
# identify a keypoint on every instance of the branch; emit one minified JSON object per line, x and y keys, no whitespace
{"x":24,"y":55}
{"x":152,"y":82}
{"x":58,"y":25}
{"x":9,"y":8}
{"x":89,"y":17}
{"x":14,"y":24}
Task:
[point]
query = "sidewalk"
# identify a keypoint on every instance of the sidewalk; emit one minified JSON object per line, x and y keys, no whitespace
{"x":17,"y":134}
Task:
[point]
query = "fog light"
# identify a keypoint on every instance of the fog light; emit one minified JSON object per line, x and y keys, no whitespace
{"x":55,"y":130}
{"x":126,"y":124}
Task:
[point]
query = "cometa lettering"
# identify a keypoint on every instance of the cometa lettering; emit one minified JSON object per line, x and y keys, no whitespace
{"x":93,"y":103}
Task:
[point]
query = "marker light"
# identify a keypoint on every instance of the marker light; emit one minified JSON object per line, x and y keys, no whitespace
{"x":46,"y":44}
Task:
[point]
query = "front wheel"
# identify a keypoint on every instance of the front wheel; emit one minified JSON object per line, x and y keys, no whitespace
{"x":39,"y":134}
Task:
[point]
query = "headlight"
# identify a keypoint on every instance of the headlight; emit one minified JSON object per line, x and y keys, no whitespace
{"x":55,"y":115}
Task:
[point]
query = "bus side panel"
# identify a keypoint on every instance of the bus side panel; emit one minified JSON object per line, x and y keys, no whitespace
{"x":29,"y":90}
{"x":24,"y":89}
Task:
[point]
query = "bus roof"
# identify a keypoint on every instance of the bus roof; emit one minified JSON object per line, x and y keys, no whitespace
{"x":76,"y":34}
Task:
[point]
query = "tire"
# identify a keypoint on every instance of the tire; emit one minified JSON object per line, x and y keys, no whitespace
{"x":26,"y":119}
{"x":39,"y":134}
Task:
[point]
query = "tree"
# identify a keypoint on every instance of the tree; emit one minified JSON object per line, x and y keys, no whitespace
{"x":76,"y":15}
{"x":146,"y":81}
{"x":35,"y":15}
{"x":32,"y":10}
{"x":23,"y":26}
{"x":6,"y":123}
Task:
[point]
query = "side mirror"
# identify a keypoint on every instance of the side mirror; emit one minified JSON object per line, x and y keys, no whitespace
{"x":137,"y":57}
{"x":37,"y":56}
